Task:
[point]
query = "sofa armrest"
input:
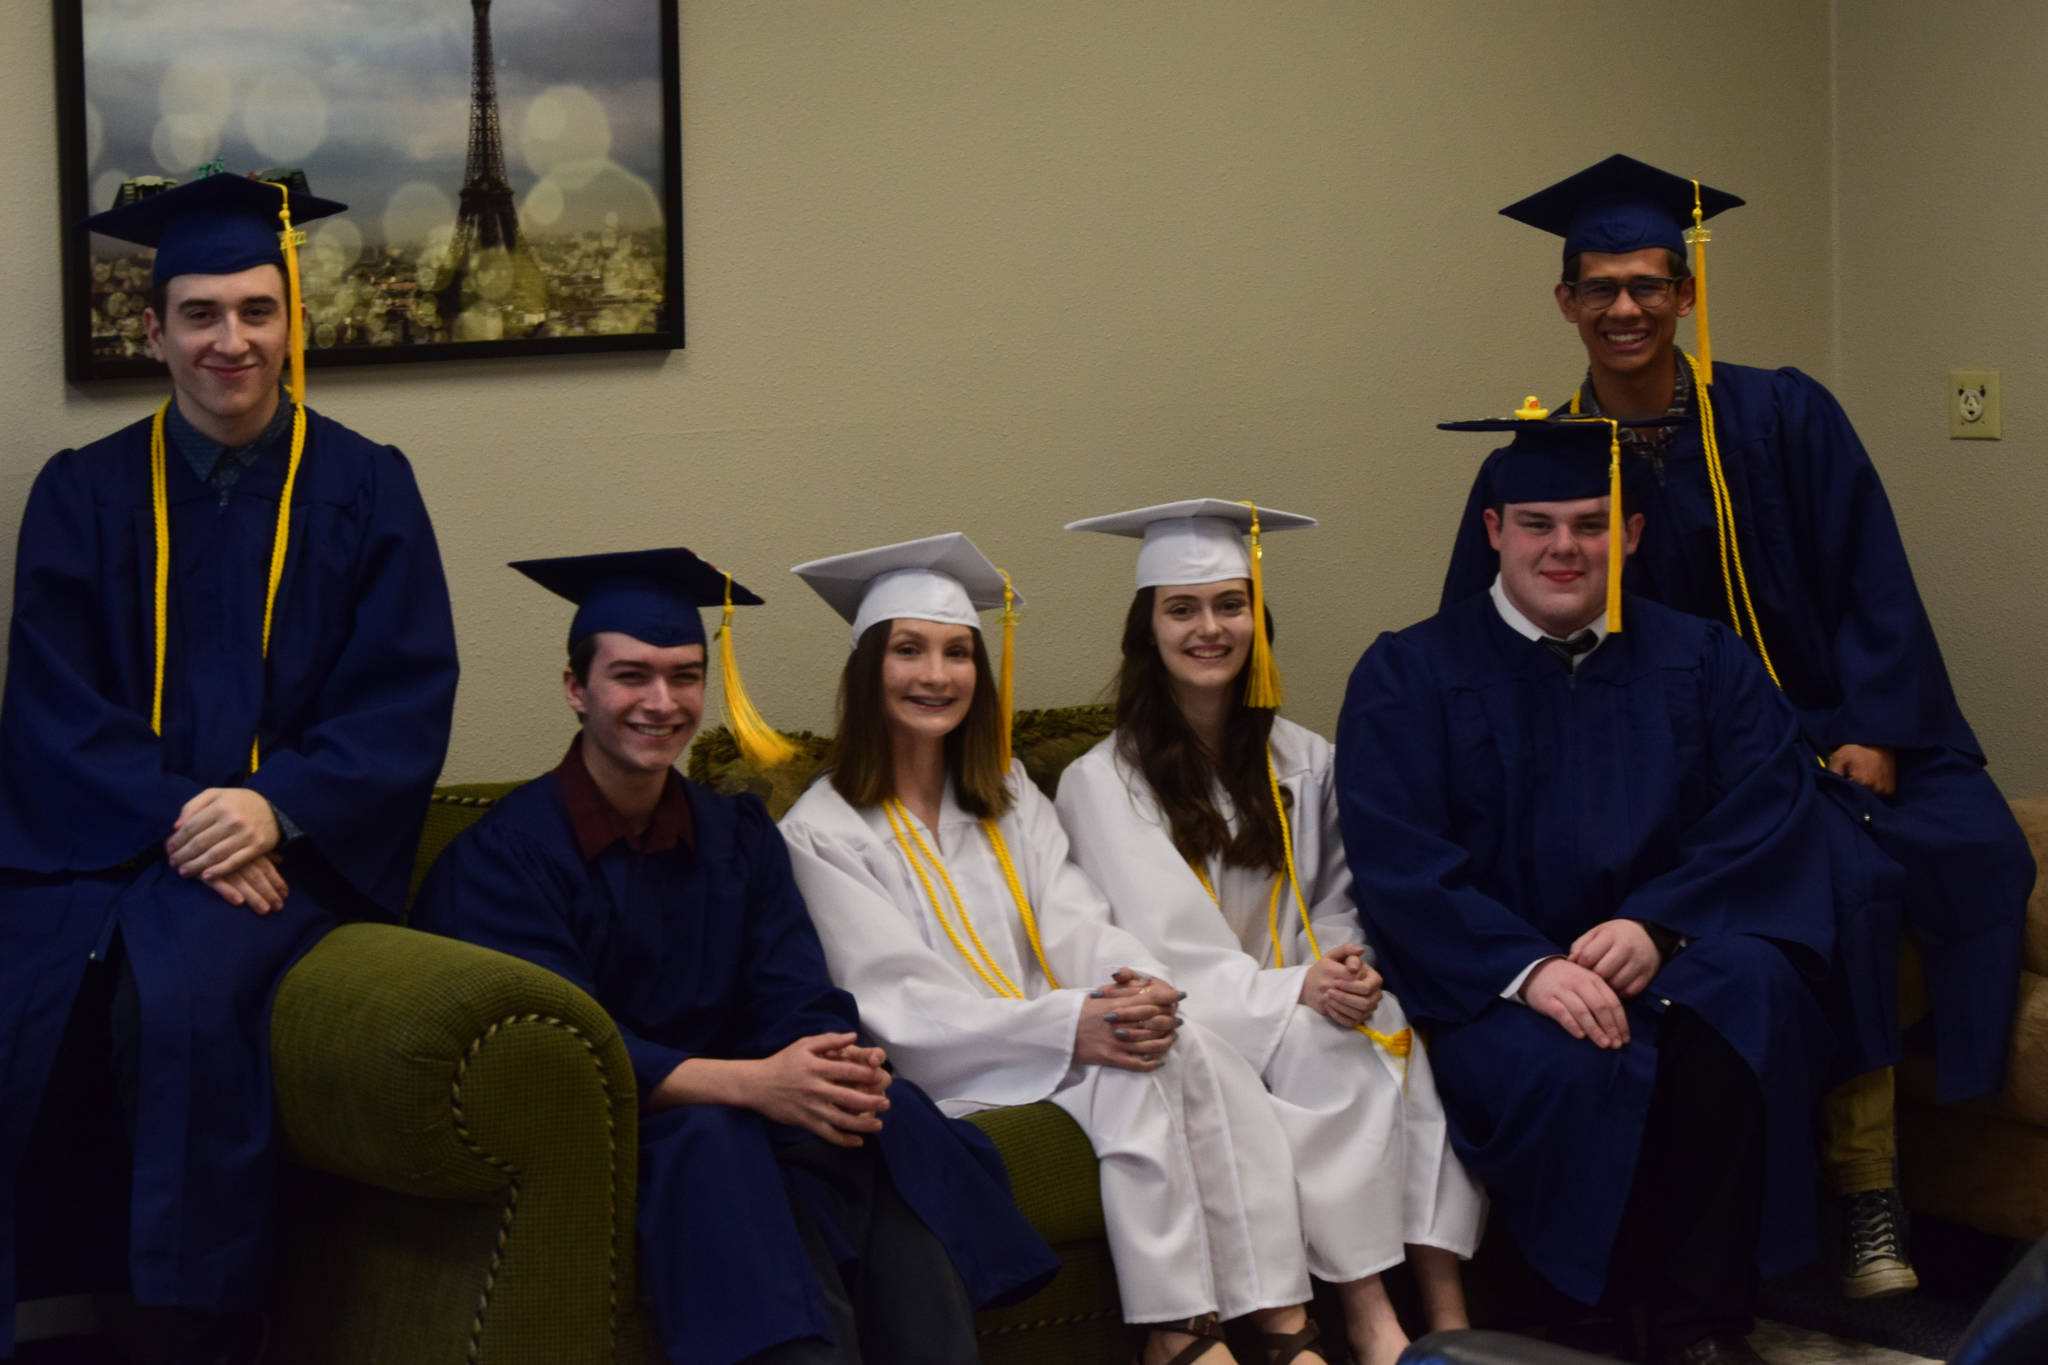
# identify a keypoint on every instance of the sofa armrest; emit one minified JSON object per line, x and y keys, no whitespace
{"x":439,"y":1069}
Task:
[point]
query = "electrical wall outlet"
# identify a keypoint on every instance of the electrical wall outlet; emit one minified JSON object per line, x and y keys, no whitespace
{"x":1973,"y":405}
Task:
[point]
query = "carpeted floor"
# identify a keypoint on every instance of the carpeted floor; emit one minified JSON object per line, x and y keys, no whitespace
{"x":1783,"y":1344}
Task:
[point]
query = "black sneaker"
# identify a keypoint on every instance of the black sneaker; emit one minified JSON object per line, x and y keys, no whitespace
{"x":1874,"y":1264}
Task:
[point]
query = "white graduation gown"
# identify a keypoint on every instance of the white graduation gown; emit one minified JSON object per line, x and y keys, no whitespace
{"x":1195,"y":1171}
{"x":1372,"y":1157}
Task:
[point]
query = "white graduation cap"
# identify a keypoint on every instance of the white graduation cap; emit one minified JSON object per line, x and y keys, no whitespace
{"x":1202,"y":540}
{"x":1195,"y":540}
{"x":939,"y":578}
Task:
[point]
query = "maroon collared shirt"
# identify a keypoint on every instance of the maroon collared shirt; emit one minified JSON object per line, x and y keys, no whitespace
{"x":599,"y":825}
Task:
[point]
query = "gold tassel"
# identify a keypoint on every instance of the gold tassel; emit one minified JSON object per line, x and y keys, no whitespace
{"x":1007,"y":677}
{"x":760,"y":743}
{"x":1262,"y":683}
{"x":1697,"y":236}
{"x":1615,"y":550}
{"x":290,"y":238}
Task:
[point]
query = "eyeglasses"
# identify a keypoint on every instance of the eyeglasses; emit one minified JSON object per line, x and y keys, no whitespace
{"x":1649,"y":291}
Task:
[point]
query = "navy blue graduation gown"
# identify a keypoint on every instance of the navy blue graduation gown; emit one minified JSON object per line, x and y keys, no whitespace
{"x":706,"y":949}
{"x":1857,"y":657}
{"x":352,"y":710}
{"x":1495,"y":806}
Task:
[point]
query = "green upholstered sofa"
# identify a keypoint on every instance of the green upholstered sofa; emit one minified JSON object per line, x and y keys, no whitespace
{"x":462,"y":1126}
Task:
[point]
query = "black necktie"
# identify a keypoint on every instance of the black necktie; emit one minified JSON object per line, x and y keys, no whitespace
{"x":1568,"y":651}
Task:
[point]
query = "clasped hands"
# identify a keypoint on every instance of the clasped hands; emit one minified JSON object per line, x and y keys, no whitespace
{"x":826,"y":1084}
{"x":1872,"y":766}
{"x":1128,"y":1023}
{"x":1609,"y":963}
{"x":1342,"y":986}
{"x":227,"y":837}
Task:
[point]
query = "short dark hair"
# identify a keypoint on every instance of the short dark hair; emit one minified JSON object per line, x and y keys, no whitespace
{"x":862,"y":760}
{"x":582,"y":653}
{"x":160,"y":299}
{"x":1678,"y":269}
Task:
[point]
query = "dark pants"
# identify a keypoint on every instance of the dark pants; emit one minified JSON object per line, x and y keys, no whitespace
{"x":897,"y":1300}
{"x":71,"y":1228}
{"x":1687,"y":1249}
{"x":1685,"y":1256}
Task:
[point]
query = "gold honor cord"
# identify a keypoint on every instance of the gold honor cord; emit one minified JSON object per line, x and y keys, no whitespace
{"x":904,"y":827}
{"x":1724,"y":517}
{"x":160,"y":514}
{"x":1398,"y":1044}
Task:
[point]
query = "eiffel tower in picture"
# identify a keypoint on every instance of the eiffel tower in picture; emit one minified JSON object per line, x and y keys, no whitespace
{"x":490,"y":286}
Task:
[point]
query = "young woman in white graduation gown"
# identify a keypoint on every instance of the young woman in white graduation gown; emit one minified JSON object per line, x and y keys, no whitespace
{"x":988,"y":967}
{"x":1210,"y":824}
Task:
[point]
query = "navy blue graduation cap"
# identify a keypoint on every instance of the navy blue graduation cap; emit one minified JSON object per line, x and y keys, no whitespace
{"x":214,"y":226}
{"x":1621,"y":205}
{"x":654,"y":596}
{"x":651,"y":595}
{"x":1563,"y":460}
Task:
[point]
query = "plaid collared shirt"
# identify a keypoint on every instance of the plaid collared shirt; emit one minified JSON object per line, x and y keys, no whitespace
{"x":1652,"y":443}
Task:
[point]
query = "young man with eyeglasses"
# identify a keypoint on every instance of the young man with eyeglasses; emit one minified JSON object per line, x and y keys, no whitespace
{"x":1763,"y":511}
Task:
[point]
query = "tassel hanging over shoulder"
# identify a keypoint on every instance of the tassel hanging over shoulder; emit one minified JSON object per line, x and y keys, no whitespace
{"x":759,"y":742}
{"x":1006,"y":677}
{"x":1262,"y":679}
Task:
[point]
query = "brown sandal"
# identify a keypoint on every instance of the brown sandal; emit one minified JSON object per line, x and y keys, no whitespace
{"x":1284,"y":1347}
{"x":1205,"y":1330}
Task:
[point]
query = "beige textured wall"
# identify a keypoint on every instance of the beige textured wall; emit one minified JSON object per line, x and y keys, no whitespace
{"x":995,"y":266}
{"x":1942,"y":201}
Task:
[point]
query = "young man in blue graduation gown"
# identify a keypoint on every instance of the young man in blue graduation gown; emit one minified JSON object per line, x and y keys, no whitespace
{"x":1817,"y":582}
{"x":1588,"y":858}
{"x":797,"y":1204}
{"x":221,"y":723}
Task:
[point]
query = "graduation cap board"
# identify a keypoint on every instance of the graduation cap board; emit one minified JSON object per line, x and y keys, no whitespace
{"x":655,"y":596}
{"x":1564,"y":460}
{"x":1621,"y":205}
{"x":1202,"y":540}
{"x":943,"y":578}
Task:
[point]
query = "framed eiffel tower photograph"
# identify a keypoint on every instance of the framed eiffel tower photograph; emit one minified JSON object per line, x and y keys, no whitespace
{"x":512,"y":168}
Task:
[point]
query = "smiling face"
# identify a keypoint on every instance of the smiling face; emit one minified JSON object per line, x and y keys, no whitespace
{"x":927,"y":678}
{"x":641,"y":705}
{"x":225,"y":339}
{"x":1553,"y":559}
{"x":1204,"y":634}
{"x":1626,"y":341}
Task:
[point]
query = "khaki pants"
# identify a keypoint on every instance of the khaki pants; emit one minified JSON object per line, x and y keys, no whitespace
{"x":1860,"y":1143}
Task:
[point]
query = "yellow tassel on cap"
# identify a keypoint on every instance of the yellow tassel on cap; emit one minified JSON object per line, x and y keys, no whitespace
{"x":1697,"y":236}
{"x":290,"y":239}
{"x":1006,"y":678}
{"x":1615,"y":550}
{"x":760,"y":743}
{"x":1262,"y":681}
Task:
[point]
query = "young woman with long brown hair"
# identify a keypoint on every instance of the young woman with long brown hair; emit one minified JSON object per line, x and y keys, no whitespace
{"x":1210,"y":824}
{"x":987,"y":964}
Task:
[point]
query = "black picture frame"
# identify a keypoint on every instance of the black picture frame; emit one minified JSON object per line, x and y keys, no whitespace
{"x":390,"y":324}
